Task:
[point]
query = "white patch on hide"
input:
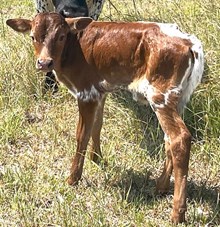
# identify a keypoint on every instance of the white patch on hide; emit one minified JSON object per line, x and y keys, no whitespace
{"x":144,"y":88}
{"x":89,"y":95}
{"x":175,"y":90}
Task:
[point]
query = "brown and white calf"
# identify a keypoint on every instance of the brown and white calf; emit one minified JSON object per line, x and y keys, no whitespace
{"x":156,"y":61}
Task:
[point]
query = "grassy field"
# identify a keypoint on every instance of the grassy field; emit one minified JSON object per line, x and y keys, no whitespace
{"x":37,"y":135}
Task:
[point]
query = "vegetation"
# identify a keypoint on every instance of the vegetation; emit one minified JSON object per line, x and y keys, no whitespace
{"x":37,"y":135}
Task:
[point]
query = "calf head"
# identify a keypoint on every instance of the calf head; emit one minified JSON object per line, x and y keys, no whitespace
{"x":71,"y":8}
{"x":49,"y":32}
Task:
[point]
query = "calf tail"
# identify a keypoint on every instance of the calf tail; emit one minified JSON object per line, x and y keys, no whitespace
{"x":197,"y":68}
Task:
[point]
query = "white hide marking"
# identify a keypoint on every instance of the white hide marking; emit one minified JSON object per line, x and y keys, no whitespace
{"x":89,"y":95}
{"x":175,"y":90}
{"x":86,"y":95}
{"x":166,"y":138}
{"x":144,"y":88}
{"x":197,"y":71}
{"x":106,"y":86}
{"x":172,"y":30}
{"x":73,"y":92}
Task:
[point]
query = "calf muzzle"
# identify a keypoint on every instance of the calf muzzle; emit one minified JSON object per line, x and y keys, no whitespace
{"x":45,"y":65}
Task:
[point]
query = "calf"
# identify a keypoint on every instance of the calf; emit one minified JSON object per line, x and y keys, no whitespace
{"x":157,"y":61}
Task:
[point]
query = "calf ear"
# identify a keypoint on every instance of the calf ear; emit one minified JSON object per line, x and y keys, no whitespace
{"x":79,"y":23}
{"x":19,"y":25}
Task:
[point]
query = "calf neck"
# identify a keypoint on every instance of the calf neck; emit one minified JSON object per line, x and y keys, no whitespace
{"x":157,"y":62}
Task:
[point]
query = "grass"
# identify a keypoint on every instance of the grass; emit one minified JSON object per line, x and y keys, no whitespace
{"x":37,"y":135}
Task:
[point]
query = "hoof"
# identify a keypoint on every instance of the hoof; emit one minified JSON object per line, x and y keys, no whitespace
{"x":71,"y":181}
{"x":178,"y":217}
{"x":162,"y":189}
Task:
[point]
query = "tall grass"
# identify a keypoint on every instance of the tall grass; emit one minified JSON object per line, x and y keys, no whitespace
{"x":37,"y":135}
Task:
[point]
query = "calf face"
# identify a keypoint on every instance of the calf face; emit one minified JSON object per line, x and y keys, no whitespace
{"x":157,"y":61}
{"x":49,"y":44}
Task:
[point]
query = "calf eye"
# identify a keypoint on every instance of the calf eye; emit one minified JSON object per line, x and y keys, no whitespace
{"x":61,"y":38}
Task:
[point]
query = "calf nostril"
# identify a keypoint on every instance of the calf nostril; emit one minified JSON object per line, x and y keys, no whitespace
{"x":40,"y":62}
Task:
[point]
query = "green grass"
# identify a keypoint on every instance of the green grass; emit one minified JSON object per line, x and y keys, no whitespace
{"x":37,"y":135}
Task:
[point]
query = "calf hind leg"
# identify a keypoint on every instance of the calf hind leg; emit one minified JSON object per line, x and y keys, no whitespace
{"x":163,"y":182}
{"x":179,"y":147}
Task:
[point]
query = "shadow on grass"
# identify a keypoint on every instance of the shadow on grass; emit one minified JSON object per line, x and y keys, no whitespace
{"x":135,"y":186}
{"x":139,"y":189}
{"x":152,"y":133}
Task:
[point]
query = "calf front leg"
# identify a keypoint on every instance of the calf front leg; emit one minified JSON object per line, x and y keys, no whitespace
{"x":95,"y":153}
{"x":180,"y":156}
{"x":87,"y":111}
{"x":179,"y":145}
